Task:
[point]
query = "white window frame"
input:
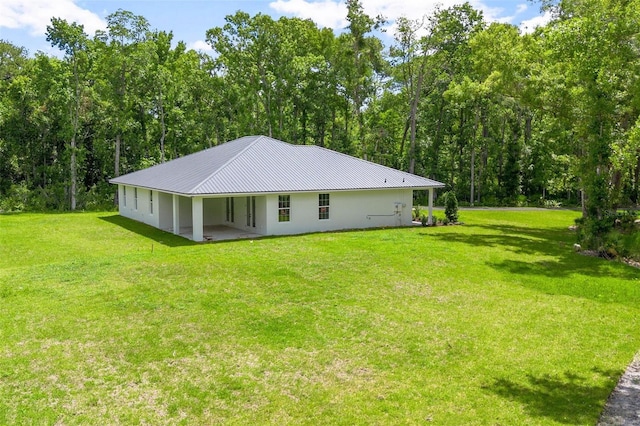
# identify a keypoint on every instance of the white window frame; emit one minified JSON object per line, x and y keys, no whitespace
{"x":324,"y":204}
{"x":284,"y":208}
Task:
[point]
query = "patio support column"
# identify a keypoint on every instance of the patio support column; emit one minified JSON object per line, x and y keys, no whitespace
{"x":176,"y":214}
{"x":430,"y":219}
{"x":196,"y":213}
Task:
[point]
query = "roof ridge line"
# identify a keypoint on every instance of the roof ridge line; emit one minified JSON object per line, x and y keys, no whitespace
{"x":232,"y":159}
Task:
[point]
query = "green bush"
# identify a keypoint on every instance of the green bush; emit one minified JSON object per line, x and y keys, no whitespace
{"x":631,"y":243}
{"x":550,"y":204}
{"x":16,"y":199}
{"x":98,"y":197}
{"x":615,"y":235}
{"x":451,"y":206}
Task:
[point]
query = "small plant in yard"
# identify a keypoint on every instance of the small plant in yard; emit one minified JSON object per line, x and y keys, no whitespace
{"x":451,"y":206}
{"x":551,"y":204}
{"x":416,"y":213}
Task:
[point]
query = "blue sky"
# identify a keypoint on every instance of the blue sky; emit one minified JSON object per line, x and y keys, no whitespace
{"x":23,"y":22}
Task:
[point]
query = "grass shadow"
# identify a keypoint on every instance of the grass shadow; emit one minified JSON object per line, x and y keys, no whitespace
{"x":552,"y":256}
{"x":549,"y":242}
{"x":568,"y":398}
{"x":162,"y":237}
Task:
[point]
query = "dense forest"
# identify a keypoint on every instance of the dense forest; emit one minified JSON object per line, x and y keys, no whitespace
{"x":501,"y":117}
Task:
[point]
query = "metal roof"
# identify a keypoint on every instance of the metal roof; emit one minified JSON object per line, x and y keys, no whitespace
{"x":260,"y":164}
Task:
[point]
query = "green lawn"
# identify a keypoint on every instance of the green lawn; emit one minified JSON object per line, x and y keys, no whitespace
{"x":498,"y":321}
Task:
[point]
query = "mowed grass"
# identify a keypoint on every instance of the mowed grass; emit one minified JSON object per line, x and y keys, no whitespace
{"x":498,"y":321}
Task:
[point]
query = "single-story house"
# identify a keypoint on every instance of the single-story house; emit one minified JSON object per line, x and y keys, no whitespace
{"x":258,"y":185}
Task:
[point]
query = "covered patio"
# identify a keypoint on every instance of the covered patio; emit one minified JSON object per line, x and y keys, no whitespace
{"x":217,"y":233}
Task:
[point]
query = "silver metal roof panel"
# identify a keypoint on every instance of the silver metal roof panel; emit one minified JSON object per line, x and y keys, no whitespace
{"x":259,"y":164}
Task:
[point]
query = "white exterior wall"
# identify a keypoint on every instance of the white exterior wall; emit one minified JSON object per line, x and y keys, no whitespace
{"x":165,"y":210}
{"x":214,"y":211}
{"x":347,"y":210}
{"x":142,"y":211}
{"x":185,"y":211}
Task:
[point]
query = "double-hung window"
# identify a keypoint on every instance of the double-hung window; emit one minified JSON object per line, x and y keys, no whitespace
{"x":323,"y":206}
{"x":284,"y":208}
{"x":150,"y":201}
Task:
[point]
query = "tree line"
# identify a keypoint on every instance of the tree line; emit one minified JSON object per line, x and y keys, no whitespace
{"x":501,"y":117}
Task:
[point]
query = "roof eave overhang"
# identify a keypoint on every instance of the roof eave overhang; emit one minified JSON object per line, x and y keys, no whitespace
{"x":283,"y":191}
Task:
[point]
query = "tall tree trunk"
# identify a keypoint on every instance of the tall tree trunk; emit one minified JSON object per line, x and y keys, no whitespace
{"x":413,"y":118}
{"x":462,"y":124}
{"x":333,"y":125}
{"x":485,"y":153}
{"x":294,"y":136}
{"x":163,"y":127}
{"x":635,"y":194}
{"x":75,"y":124}
{"x":268,"y":112}
{"x":74,"y":159}
{"x":437,"y":142}
{"x":473,"y":159}
{"x":473,"y":174}
{"x":74,"y":173}
{"x":304,"y":126}
{"x":116,"y":164}
{"x":501,"y":155}
{"x":321,"y":135}
{"x":407,"y":126}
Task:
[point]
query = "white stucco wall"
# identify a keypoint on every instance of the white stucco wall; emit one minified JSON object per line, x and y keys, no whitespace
{"x":213,"y":211}
{"x":140,"y":211}
{"x":347,"y":210}
{"x":165,"y":210}
{"x":185,"y":211}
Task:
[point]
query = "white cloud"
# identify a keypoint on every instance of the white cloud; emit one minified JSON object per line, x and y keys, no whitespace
{"x":529,"y":25}
{"x":326,"y":13}
{"x":35,"y":15}
{"x":200,"y":46}
{"x":332,"y":13}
